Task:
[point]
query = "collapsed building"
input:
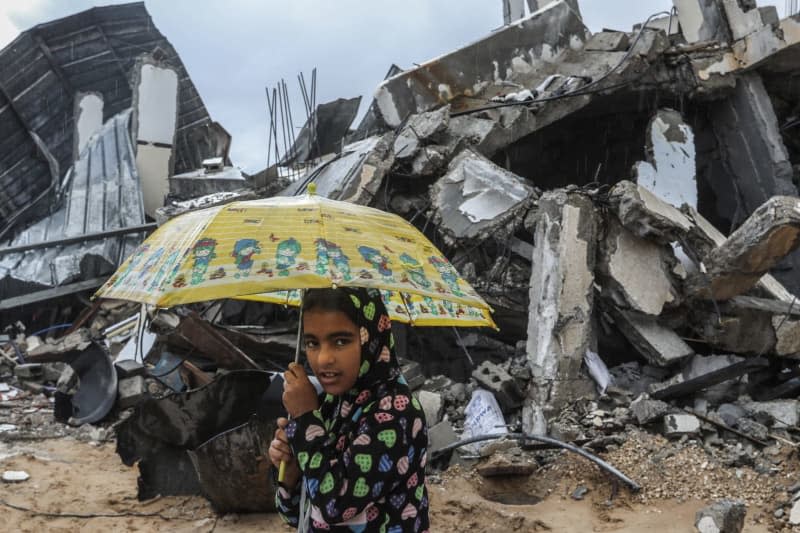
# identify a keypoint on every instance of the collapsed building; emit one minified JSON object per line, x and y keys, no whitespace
{"x":626,"y":201}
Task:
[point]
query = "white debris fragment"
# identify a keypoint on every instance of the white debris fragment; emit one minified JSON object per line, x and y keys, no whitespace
{"x":520,"y":96}
{"x":15,"y":476}
{"x":7,"y":427}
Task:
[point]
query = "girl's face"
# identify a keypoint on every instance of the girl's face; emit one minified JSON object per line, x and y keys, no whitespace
{"x":333,"y":346}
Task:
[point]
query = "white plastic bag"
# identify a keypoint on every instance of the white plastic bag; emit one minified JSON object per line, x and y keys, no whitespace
{"x":482,"y":417}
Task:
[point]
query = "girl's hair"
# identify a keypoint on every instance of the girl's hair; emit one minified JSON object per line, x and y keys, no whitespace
{"x":330,"y":300}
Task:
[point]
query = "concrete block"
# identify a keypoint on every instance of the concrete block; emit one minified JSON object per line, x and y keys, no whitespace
{"x":677,"y":425}
{"x":412,"y":371}
{"x":730,"y":413}
{"x":440,"y":435}
{"x":477,"y":199}
{"x":637,"y":273}
{"x":560,"y":325}
{"x":701,"y":20}
{"x":432,"y":405}
{"x":131,"y":391}
{"x":794,"y":514}
{"x":646,"y":215}
{"x":419,"y":130}
{"x":128,"y":368}
{"x":725,"y":516}
{"x":787,"y":333}
{"x":500,"y":383}
{"x":764,"y":239}
{"x":530,"y":42}
{"x":659,"y":345}
{"x":753,"y":428}
{"x":646,"y":410}
{"x":608,"y":41}
{"x":785,"y":413}
{"x":29,"y":371}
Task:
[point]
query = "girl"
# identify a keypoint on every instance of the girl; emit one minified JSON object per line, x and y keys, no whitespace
{"x":360,"y":448}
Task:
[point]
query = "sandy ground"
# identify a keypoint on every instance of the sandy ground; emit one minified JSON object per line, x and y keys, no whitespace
{"x":79,"y":486}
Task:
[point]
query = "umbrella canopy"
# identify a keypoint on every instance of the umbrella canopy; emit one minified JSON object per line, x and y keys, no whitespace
{"x":250,"y":250}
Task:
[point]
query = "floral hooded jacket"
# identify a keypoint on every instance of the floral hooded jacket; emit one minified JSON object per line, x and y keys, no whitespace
{"x":363,"y":454}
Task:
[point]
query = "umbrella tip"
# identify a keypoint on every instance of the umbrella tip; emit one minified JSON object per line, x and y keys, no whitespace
{"x":312,"y":188}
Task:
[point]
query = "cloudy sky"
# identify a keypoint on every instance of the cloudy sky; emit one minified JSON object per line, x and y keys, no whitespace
{"x":234,"y":49}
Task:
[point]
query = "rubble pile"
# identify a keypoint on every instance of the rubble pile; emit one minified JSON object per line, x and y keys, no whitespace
{"x":626,"y":201}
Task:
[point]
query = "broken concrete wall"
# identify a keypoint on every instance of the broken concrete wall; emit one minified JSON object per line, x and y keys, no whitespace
{"x":755,"y":157}
{"x":701,"y":20}
{"x":542,"y":37}
{"x":561,"y":325}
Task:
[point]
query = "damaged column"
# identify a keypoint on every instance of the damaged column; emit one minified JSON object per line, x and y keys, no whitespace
{"x":560,"y":324}
{"x":155,"y":103}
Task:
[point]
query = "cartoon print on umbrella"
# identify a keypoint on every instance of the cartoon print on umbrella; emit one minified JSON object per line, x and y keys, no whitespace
{"x":286,"y":255}
{"x":203,"y":251}
{"x":147,"y":267}
{"x":415,"y":271}
{"x":331,"y":253}
{"x":135,"y":260}
{"x":378,"y":261}
{"x":171,"y":258}
{"x":243,"y":252}
{"x":448,"y":273}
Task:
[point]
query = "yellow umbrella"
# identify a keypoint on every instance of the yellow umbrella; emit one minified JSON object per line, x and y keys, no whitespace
{"x":266,"y":249}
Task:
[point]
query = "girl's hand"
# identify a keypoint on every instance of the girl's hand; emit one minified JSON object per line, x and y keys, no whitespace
{"x":299,"y":395}
{"x":279,"y":451}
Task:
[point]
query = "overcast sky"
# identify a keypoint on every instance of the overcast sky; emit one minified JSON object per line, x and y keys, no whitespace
{"x":234,"y":48}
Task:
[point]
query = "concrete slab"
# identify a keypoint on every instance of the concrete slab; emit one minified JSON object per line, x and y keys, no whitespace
{"x":765,"y":238}
{"x":636,"y":273}
{"x":539,"y":38}
{"x":477,"y":199}
{"x":659,"y":345}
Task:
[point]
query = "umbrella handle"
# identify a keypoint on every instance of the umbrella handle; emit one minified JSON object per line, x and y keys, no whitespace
{"x":282,"y":467}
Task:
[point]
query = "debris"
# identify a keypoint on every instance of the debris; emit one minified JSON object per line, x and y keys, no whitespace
{"x":15,"y":476}
{"x":646,"y":410}
{"x":725,"y":516}
{"x":476,"y":199}
{"x":579,"y":493}
{"x":440,"y":435}
{"x":677,"y":425}
{"x":509,"y":462}
{"x":432,"y":406}
{"x":500,"y":383}
{"x":131,"y":391}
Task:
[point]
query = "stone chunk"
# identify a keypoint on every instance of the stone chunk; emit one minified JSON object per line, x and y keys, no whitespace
{"x":439,"y":436}
{"x":766,"y":237}
{"x":646,"y":410}
{"x":131,"y":391}
{"x":637,"y":272}
{"x":500,"y":383}
{"x":784,"y":413}
{"x":677,"y":425}
{"x":730,"y":413}
{"x":753,"y":428}
{"x":608,"y":41}
{"x":659,"y":345}
{"x":28,"y":371}
{"x":794,"y":514}
{"x":647,"y":215}
{"x":129,"y":368}
{"x":724,"y":516}
{"x":412,"y":371}
{"x":421,"y":129}
{"x":477,"y":199}
{"x":432,"y":405}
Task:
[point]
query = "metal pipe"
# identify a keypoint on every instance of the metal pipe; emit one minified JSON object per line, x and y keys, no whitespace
{"x":635,"y":487}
